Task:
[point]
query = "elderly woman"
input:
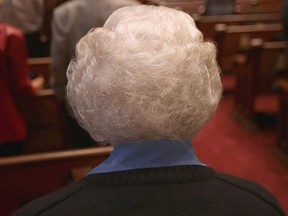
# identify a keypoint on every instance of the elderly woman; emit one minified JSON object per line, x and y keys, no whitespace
{"x":147,"y":83}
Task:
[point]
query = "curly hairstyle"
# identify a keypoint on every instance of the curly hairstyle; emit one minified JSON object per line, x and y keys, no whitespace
{"x":146,"y":75}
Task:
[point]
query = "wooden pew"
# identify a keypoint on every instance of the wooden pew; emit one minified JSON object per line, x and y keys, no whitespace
{"x":206,"y":24}
{"x":230,"y":39}
{"x":258,"y":6}
{"x":24,"y":178}
{"x":281,"y":85}
{"x":245,"y":12}
{"x":256,"y":70}
{"x":43,"y":114}
{"x":44,"y":123}
{"x":239,"y":7}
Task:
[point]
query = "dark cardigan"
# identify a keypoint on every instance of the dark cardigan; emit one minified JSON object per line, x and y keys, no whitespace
{"x":175,"y":191}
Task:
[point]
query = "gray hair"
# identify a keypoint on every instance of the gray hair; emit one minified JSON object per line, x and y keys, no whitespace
{"x":146,"y":75}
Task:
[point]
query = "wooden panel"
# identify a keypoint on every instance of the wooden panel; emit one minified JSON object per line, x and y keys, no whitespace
{"x":24,"y":178}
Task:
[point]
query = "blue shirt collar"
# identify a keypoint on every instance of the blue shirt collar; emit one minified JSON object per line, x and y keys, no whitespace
{"x":148,"y":154}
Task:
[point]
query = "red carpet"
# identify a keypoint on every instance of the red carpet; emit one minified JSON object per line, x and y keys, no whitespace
{"x":227,"y":147}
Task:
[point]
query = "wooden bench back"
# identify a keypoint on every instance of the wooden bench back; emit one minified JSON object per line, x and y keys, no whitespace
{"x":24,"y":178}
{"x":238,"y":7}
{"x":206,"y":24}
{"x":188,"y":6}
{"x":44,"y":122}
{"x":244,"y":12}
{"x":255,"y":74}
{"x":267,"y":59}
{"x":230,"y":39}
{"x":43,"y":113}
{"x":258,"y":6}
{"x":282,"y":90}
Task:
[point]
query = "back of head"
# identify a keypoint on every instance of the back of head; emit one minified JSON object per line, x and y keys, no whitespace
{"x":146,"y":75}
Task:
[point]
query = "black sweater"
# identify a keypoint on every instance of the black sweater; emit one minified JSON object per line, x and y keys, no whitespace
{"x":169,"y":191}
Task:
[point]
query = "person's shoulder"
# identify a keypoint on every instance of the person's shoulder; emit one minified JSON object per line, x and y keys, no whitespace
{"x":46,"y":202}
{"x":252,"y":190}
{"x":243,"y":184}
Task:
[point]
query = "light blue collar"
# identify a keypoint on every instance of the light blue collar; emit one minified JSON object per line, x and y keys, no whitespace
{"x":149,"y":154}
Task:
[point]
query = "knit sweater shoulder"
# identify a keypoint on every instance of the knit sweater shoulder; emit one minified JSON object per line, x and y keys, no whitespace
{"x":166,"y":191}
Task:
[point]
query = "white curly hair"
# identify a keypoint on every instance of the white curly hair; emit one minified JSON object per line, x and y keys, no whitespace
{"x":146,"y":75}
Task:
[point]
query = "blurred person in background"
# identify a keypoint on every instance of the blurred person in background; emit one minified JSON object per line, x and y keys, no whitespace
{"x":147,"y":83}
{"x":70,"y":22}
{"x":26,"y":15}
{"x":15,"y":87}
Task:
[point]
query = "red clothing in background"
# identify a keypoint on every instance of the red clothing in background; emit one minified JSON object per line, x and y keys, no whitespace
{"x":15,"y":83}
